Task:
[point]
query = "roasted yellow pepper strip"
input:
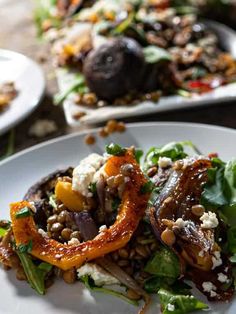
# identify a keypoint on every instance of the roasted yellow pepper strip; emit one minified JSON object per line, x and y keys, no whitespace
{"x":65,"y":256}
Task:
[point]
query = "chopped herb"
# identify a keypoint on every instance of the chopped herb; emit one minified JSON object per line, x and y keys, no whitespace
{"x":25,"y":248}
{"x":93,"y":188}
{"x":52,"y":200}
{"x":89,"y":283}
{"x":23,"y":213}
{"x":147,"y":187}
{"x":115,"y":203}
{"x":115,"y":149}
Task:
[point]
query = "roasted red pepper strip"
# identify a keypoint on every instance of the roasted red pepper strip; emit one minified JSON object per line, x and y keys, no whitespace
{"x":65,"y":256}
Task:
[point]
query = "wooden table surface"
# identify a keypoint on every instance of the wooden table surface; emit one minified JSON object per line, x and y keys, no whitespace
{"x":18,"y":33}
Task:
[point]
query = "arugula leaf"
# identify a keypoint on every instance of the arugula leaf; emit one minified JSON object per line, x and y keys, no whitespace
{"x":10,"y":145}
{"x":35,"y":275}
{"x":52,"y":200}
{"x":154,"y":54}
{"x":138,"y":153}
{"x":164,"y":264}
{"x":146,"y":187}
{"x":115,"y":149}
{"x":179,"y":303}
{"x":78,"y":85}
{"x":213,"y":193}
{"x":231,"y":237}
{"x":89,"y":283}
{"x":220,"y":190}
{"x":172,"y":150}
{"x":25,"y":248}
{"x":3,"y":232}
{"x":5,"y":225}
{"x":153,"y":284}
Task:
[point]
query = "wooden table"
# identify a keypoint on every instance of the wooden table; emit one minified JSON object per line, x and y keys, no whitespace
{"x":18,"y":33}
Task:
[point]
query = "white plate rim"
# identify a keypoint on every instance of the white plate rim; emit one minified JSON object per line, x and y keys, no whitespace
{"x":128,"y":125}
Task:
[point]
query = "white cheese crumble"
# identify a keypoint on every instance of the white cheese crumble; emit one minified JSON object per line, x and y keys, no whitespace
{"x":222,"y":278}
{"x":42,"y":128}
{"x":209,"y":287}
{"x":98,"y":274}
{"x":102,"y":228}
{"x":164,"y":162}
{"x":85,"y":173}
{"x":201,"y":253}
{"x":216,"y":260}
{"x":42,"y":233}
{"x":181,"y":223}
{"x":73,"y":241}
{"x":170,"y":307}
{"x":209,"y":220}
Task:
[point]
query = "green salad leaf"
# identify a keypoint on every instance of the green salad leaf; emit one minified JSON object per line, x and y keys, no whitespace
{"x":115,"y":149}
{"x":164,"y":263}
{"x":5,"y":226}
{"x":35,"y":274}
{"x":89,"y":283}
{"x":220,"y":190}
{"x":77,"y":86}
{"x":154,"y":54}
{"x":173,"y":303}
{"x":171,"y":150}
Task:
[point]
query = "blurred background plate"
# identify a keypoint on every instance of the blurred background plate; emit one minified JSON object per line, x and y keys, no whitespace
{"x":29,"y":82}
{"x":227,"y":39}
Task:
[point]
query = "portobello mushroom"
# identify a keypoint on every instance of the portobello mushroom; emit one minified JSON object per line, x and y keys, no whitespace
{"x":40,"y":190}
{"x":39,"y":193}
{"x":115,"y":68}
{"x":194,"y":244}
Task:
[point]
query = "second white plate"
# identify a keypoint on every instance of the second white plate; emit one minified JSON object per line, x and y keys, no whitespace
{"x":29,"y":82}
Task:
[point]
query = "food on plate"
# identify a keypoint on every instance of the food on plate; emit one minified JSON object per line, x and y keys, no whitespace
{"x":8,"y":92}
{"x":121,"y":52}
{"x":146,"y":226}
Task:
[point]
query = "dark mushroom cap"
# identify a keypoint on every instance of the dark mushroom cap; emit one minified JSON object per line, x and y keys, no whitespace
{"x":115,"y":68}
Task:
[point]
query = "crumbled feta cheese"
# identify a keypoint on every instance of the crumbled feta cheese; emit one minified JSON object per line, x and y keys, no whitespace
{"x":85,"y":173}
{"x":42,"y":233}
{"x":209,"y":220}
{"x":201,"y":253}
{"x":73,"y":241}
{"x":222,"y":278}
{"x":42,"y":128}
{"x":98,"y":274}
{"x":209,"y":287}
{"x":181,"y":223}
{"x":170,"y":307}
{"x":102,"y":228}
{"x":164,"y":162}
{"x":32,"y":207}
{"x":216,"y":260}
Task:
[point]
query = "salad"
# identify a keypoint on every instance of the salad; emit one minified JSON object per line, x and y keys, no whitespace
{"x":131,"y":227}
{"x":121,"y":52}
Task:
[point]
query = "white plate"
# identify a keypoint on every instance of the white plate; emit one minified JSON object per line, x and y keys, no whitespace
{"x":29,"y":82}
{"x":227,"y":38}
{"x":24,"y":169}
